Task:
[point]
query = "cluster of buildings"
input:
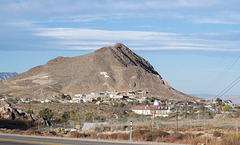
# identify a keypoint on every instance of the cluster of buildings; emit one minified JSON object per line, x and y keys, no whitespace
{"x":141,"y":104}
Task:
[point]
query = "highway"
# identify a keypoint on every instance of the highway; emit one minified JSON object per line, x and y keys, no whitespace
{"x":9,"y":139}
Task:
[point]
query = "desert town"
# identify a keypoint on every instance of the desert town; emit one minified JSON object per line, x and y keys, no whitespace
{"x":139,"y":103}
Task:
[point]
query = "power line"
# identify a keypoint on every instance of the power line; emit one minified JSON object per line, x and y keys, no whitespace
{"x":227,"y":68}
{"x":229,"y":87}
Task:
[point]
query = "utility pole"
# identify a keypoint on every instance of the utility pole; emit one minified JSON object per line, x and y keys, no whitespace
{"x":186,"y":108}
{"x":156,"y":103}
{"x":153,"y":117}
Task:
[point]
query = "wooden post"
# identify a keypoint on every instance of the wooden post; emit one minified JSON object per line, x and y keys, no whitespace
{"x":153,"y":119}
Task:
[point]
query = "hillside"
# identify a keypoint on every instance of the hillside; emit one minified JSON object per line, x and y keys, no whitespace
{"x":106,"y":69}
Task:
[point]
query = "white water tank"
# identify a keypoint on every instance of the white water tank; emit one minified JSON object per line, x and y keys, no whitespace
{"x":156,"y":103}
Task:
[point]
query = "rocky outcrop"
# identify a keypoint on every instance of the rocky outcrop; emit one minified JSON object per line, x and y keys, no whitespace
{"x":10,"y":113}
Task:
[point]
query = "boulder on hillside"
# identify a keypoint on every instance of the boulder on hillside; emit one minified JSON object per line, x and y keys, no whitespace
{"x":10,"y":113}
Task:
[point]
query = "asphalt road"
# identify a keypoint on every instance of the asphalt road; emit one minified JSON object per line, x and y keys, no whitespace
{"x":9,"y":139}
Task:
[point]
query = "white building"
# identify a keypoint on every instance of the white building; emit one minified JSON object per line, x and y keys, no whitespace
{"x":46,"y":101}
{"x":149,"y":110}
{"x":80,"y":95}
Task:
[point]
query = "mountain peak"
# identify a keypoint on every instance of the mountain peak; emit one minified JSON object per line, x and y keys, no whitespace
{"x":126,"y":57}
{"x":119,"y":45}
{"x":108,"y":68}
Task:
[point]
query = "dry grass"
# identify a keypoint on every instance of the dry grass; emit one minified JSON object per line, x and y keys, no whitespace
{"x":30,"y":131}
{"x":75,"y":134}
{"x":50,"y":133}
{"x":15,"y":131}
{"x":123,"y":136}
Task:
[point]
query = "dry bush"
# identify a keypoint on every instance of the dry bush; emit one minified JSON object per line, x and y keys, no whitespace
{"x":216,"y":134}
{"x":175,"y":137}
{"x":194,"y":141}
{"x":93,"y":136}
{"x":3,"y":130}
{"x":138,"y":134}
{"x":102,"y":136}
{"x":50,"y":133}
{"x":228,"y":142}
{"x":148,"y":135}
{"x":107,"y":128}
{"x":105,"y":136}
{"x":22,"y":132}
{"x":199,"y":134}
{"x":160,"y":133}
{"x":123,"y":136}
{"x":113,"y":136}
{"x":30,"y":131}
{"x":161,"y":139}
{"x":74,"y":134}
{"x":153,"y":135}
{"x":233,"y":139}
{"x":15,"y":131}
{"x":38,"y":133}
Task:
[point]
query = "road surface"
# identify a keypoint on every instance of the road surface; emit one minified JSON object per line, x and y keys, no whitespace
{"x":9,"y":139}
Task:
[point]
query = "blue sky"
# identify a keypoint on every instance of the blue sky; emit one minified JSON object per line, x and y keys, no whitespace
{"x":193,"y":44}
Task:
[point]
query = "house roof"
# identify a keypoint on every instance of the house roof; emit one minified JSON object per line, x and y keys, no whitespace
{"x":149,"y":107}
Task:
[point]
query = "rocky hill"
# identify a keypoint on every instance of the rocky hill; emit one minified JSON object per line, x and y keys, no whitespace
{"x":106,"y":69}
{"x":8,"y":114}
{"x":6,"y":75}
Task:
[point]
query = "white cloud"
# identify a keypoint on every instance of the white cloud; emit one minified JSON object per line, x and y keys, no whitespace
{"x":79,"y":38}
{"x":220,"y":18}
{"x":40,"y":18}
{"x":200,"y":11}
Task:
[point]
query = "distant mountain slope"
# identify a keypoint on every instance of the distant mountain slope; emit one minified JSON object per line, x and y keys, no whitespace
{"x":106,"y":69}
{"x":234,"y":98}
{"x":6,"y":75}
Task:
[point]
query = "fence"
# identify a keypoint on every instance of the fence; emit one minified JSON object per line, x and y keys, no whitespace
{"x":201,"y":122}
